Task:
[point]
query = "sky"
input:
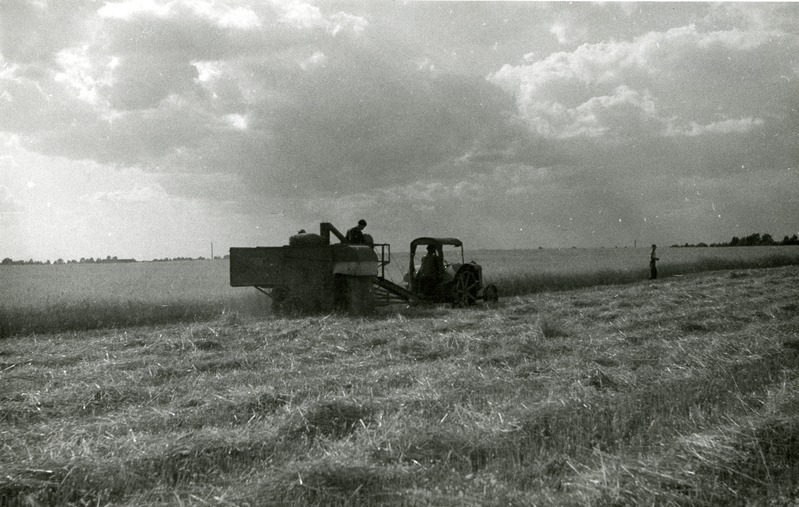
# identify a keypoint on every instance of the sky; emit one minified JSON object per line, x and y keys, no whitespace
{"x":156,"y":128}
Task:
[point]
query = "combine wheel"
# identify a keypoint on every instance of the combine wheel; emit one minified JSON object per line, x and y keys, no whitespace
{"x":278,"y":295}
{"x":491,"y":294}
{"x":359,"y":296}
{"x":465,"y":289}
{"x":284,"y":303}
{"x":294,"y":306}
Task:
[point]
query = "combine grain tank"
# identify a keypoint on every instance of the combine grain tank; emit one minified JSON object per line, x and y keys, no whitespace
{"x":309,"y":274}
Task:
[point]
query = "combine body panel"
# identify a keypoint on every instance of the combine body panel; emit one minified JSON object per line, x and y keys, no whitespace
{"x":255,"y":267}
{"x":309,"y":276}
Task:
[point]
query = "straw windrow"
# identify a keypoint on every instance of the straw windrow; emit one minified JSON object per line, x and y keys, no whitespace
{"x":678,"y":392}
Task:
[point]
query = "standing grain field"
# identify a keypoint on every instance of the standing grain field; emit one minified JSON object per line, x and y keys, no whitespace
{"x":139,"y":281}
{"x":49,"y":298}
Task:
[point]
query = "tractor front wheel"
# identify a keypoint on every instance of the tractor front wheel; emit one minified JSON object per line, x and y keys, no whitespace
{"x":491,"y":294}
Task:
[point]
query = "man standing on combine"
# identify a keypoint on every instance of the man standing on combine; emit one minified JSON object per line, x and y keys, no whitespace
{"x":355,"y":235}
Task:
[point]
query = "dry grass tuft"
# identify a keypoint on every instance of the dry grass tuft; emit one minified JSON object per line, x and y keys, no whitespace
{"x":333,"y":483}
{"x":550,"y":328}
{"x":336,"y":418}
{"x":423,"y":349}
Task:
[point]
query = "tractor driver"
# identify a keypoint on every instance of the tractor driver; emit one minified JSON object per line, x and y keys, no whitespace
{"x":429,"y":272}
{"x":355,"y":235}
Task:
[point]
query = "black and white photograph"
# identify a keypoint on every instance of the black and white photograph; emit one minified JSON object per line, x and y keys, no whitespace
{"x":407,"y":253}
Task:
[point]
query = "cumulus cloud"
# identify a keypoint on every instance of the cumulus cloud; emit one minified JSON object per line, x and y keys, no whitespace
{"x":568,"y":33}
{"x":138,"y":194}
{"x":621,"y":113}
{"x":733,"y":126}
{"x":224,"y":14}
{"x":237,"y":121}
{"x":317,"y":59}
{"x":306,"y":16}
{"x":85,"y":77}
{"x":502,"y":181}
{"x":656,"y":83}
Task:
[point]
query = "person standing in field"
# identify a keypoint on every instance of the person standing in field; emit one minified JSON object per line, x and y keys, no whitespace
{"x":653,"y":258}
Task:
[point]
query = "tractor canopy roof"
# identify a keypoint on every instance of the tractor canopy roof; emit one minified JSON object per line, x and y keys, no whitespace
{"x":435,"y":241}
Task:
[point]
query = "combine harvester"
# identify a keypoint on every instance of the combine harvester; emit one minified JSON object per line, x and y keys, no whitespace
{"x":313,"y":275}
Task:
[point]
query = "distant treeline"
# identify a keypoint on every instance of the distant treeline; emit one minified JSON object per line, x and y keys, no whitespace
{"x":756,"y":239}
{"x":91,"y":260}
{"x":83,"y":260}
{"x":201,"y":258}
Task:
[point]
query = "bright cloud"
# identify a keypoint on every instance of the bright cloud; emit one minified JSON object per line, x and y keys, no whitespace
{"x":738,"y":126}
{"x":237,"y":121}
{"x":138,"y":194}
{"x":576,"y":93}
{"x":318,"y":59}
{"x":306,"y":16}
{"x":228,"y":16}
{"x":131,"y":8}
{"x":85,"y":77}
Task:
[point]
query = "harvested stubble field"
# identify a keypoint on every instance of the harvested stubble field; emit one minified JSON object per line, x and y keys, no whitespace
{"x":682,"y":391}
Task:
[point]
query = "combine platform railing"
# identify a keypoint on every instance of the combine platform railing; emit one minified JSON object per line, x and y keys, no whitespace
{"x":384,"y":291}
{"x":385,"y":257}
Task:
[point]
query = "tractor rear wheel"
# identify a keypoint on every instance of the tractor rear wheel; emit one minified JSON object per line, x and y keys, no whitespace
{"x":465,"y":289}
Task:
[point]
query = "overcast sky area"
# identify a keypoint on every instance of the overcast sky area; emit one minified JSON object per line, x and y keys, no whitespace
{"x":151,"y":128}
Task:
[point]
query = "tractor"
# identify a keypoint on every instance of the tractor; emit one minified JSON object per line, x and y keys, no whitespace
{"x":444,"y":276}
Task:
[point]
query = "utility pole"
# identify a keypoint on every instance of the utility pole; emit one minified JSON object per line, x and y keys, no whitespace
{"x":212,"y":250}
